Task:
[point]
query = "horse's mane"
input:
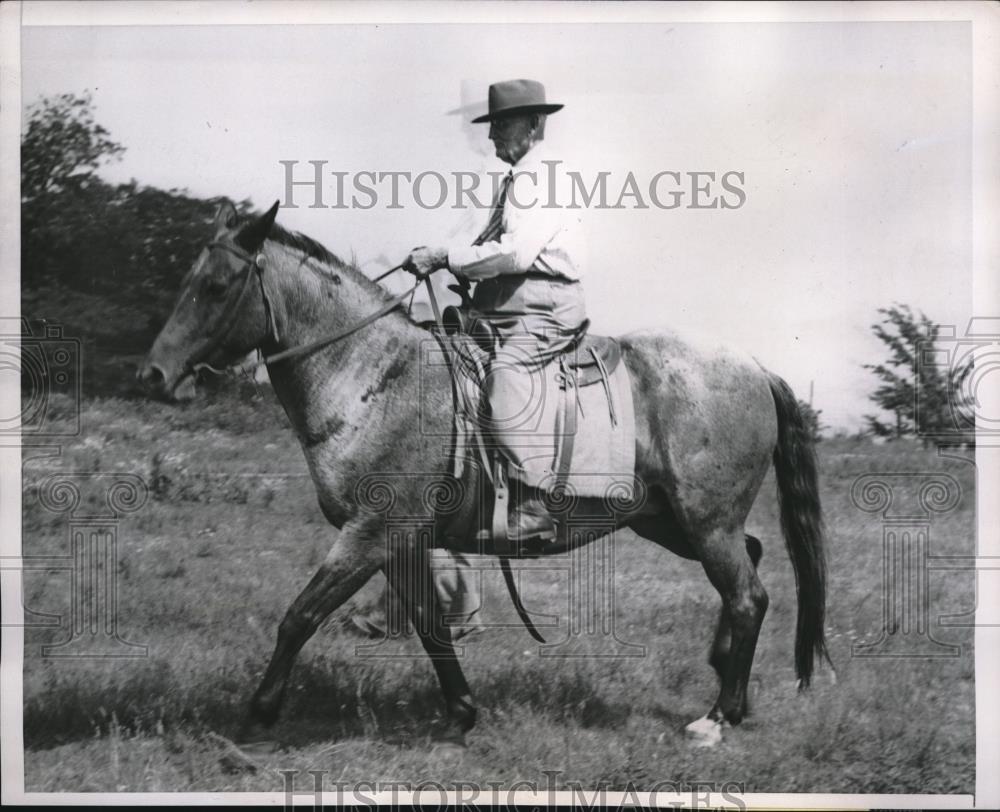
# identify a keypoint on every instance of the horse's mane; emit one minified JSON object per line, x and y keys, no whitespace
{"x":316,"y":250}
{"x":309,"y":246}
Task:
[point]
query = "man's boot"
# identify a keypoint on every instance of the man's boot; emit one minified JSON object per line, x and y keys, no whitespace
{"x":529,"y":524}
{"x":529,"y":517}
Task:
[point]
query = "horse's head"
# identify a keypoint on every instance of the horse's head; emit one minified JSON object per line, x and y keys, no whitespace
{"x":222,"y":312}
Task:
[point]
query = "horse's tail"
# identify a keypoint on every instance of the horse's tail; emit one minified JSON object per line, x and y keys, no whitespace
{"x":802,"y":526}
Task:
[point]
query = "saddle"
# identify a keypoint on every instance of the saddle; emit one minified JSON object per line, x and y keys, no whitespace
{"x":593,"y":358}
{"x":590,"y":358}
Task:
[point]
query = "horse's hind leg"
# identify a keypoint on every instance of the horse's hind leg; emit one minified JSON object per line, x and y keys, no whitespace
{"x":719,"y":655}
{"x":353,"y":559}
{"x":726,"y":561}
{"x":663,"y":530}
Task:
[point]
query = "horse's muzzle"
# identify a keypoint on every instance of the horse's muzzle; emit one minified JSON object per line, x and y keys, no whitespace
{"x":157,"y":383}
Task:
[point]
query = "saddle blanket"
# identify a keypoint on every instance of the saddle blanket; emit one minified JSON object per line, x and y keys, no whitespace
{"x":529,"y":415}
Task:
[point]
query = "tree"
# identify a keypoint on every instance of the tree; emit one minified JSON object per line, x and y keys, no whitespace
{"x":129,"y":241}
{"x":104,"y":260}
{"x":924,"y":396}
{"x":62,"y":197}
{"x":62,"y":147}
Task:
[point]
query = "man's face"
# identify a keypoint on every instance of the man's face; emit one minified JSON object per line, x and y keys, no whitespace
{"x":512,"y":137}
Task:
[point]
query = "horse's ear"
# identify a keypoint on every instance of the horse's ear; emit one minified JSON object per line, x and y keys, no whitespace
{"x":253,"y":234}
{"x":226,"y":216}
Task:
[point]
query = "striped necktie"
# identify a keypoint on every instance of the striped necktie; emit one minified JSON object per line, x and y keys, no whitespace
{"x":494,"y":228}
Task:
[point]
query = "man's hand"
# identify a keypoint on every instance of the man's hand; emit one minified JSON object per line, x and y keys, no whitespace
{"x":423,"y":261}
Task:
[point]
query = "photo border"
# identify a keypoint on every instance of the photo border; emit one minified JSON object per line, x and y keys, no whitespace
{"x":985,"y":20}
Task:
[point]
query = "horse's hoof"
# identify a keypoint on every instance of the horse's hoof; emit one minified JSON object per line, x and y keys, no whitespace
{"x":234,"y":759}
{"x":704,"y":732}
{"x":448,"y":746}
{"x":448,"y":750}
{"x":368,"y":627}
{"x":254,"y":741}
{"x":466,"y":633}
{"x":262,"y":747}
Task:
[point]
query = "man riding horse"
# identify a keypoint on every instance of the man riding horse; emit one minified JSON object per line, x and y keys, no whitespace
{"x":710,"y":423}
{"x":527,"y":265}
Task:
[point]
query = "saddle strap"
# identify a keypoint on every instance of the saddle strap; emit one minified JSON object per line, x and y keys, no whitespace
{"x":522,"y":613}
{"x":501,"y":543}
{"x":565,"y":425}
{"x":607,"y":385}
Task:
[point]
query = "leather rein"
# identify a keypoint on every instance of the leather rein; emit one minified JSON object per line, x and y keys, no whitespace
{"x":254,"y":266}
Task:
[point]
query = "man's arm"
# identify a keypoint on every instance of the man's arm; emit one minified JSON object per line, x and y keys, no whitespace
{"x":528,"y":231}
{"x":529,"y":228}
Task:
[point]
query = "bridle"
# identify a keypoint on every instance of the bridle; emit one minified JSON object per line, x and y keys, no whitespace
{"x":253,"y":266}
{"x":233,"y":306}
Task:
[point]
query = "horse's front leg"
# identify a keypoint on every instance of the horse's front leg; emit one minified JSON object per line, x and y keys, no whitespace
{"x":352,"y":560}
{"x":409,"y":571}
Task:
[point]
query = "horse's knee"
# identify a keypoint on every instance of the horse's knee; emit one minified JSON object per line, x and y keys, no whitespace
{"x":292,"y":625}
{"x":296,"y":625}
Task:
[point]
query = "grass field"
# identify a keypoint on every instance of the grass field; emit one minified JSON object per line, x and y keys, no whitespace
{"x":231,"y":532}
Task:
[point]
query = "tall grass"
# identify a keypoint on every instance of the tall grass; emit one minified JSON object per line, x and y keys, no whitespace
{"x":231,"y":533}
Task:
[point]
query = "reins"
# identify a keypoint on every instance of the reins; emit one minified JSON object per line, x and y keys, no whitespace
{"x":257,"y":263}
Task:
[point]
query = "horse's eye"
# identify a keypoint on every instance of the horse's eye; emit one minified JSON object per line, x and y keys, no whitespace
{"x":215,"y":288}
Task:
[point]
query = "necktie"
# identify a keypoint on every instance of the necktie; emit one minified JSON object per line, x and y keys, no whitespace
{"x":494,"y":228}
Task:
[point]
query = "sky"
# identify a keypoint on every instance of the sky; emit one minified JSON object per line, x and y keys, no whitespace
{"x":854,"y":141}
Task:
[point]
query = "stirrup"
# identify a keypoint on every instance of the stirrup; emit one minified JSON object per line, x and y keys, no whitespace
{"x":543,"y":528}
{"x":519,"y":543}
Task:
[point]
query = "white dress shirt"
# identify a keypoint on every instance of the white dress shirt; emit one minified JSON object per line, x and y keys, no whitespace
{"x":535,"y":238}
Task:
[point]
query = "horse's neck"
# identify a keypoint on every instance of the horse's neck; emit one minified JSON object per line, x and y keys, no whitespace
{"x":314,"y":300}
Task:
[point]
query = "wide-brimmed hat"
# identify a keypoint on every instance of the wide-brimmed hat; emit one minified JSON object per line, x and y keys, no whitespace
{"x":514,"y":97}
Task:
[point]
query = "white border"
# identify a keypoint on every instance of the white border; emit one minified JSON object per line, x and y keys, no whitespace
{"x":985,"y":19}
{"x":986,"y":302}
{"x":12,"y":638}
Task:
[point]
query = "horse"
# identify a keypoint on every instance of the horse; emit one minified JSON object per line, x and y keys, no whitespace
{"x":709,"y":423}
